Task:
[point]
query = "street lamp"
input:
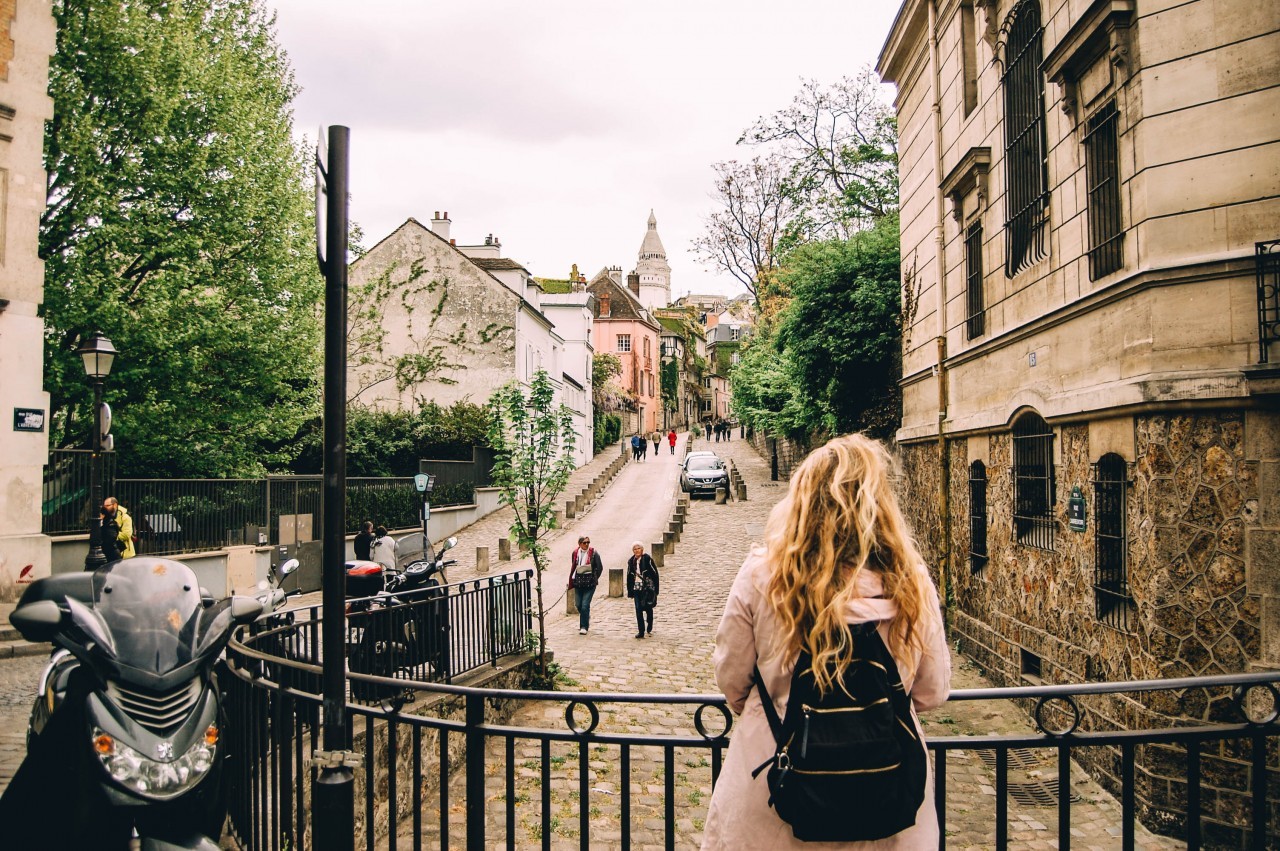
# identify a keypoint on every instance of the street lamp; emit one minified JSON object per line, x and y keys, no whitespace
{"x":98,"y":354}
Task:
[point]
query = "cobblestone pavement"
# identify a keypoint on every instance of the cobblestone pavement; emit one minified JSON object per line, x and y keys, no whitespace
{"x":677,"y":659}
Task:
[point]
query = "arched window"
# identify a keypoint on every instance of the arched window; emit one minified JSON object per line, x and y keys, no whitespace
{"x":1034,"y":485}
{"x":1026,"y":161}
{"x":1111,"y":546}
{"x":977,"y":516}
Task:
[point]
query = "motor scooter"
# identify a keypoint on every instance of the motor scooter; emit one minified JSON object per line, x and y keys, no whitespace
{"x":125,"y":747}
{"x":401,"y":626}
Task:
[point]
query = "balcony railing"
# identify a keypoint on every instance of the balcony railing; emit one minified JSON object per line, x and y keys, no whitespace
{"x":511,"y":777}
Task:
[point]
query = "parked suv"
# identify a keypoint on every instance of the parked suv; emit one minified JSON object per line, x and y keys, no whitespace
{"x":703,"y":474}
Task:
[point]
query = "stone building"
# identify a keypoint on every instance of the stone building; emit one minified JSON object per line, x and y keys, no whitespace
{"x":626,"y":328}
{"x":1090,"y":429}
{"x":435,"y":321}
{"x":652,"y":269}
{"x":27,"y":39}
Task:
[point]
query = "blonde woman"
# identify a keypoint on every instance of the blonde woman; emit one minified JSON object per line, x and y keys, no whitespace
{"x":837,"y":551}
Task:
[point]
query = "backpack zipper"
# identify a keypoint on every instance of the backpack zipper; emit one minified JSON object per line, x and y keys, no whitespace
{"x":808,"y":709}
{"x":849,"y":771}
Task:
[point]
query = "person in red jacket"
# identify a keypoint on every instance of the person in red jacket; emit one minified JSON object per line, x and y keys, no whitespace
{"x":671,"y":440}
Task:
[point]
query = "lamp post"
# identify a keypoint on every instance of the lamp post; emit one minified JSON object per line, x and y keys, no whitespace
{"x":425,"y":483}
{"x":98,"y":353}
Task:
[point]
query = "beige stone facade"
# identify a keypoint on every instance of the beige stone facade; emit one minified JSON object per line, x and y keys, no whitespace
{"x":1084,"y":185}
{"x":27,"y":35}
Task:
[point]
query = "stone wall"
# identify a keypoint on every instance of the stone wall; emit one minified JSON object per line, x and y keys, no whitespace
{"x":790,"y":452}
{"x":1202,"y":514}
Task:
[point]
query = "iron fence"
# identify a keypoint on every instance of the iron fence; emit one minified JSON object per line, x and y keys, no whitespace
{"x":190,"y":515}
{"x":513,"y":787}
{"x":1267,"y":270}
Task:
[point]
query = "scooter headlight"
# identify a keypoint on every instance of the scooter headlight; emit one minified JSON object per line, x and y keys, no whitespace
{"x":153,"y":778}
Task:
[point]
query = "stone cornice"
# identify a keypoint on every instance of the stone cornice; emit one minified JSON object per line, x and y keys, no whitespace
{"x":970,"y":173}
{"x":1104,"y":28}
{"x":908,"y":27}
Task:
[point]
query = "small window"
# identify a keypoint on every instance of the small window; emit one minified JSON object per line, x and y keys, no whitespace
{"x":1034,"y":487}
{"x":969,"y":55}
{"x":624,"y":342}
{"x":646,"y":347}
{"x":1111,"y":569}
{"x":734,"y":358}
{"x":977,"y":516}
{"x":1102,"y":174}
{"x":975,"y":319}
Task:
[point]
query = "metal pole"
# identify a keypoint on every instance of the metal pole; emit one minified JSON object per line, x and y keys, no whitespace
{"x":95,"y":558}
{"x":333,"y":792}
{"x":773,"y":462}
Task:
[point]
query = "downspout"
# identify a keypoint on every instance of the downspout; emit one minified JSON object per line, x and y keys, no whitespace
{"x":940,"y":262}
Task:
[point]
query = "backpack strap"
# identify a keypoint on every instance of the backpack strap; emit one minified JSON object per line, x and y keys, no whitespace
{"x":775,"y":723}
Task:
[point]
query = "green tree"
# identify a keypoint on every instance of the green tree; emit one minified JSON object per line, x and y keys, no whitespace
{"x":533,"y":440}
{"x":841,"y":331}
{"x":670,"y":374}
{"x":179,"y":223}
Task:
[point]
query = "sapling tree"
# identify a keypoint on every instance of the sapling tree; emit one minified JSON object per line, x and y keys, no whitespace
{"x":533,"y":439}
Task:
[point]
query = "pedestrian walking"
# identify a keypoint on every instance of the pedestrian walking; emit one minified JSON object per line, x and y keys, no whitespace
{"x":364,"y":541}
{"x":728,"y":431}
{"x":585,"y":570}
{"x":383,"y":549}
{"x":117,"y":530}
{"x":642,"y":587}
{"x":656,"y":437}
{"x":671,"y":440}
{"x":644,"y":449}
{"x":837,"y":553}
{"x":635,"y":447}
{"x":707,"y":425}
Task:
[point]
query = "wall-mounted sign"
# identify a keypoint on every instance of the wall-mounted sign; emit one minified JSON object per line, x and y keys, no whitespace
{"x":28,"y":419}
{"x":1076,"y":511}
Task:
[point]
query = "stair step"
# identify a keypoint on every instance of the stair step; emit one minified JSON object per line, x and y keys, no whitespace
{"x":14,"y":649}
{"x":8,"y":633}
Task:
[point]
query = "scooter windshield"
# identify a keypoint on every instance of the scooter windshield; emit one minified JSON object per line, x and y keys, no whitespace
{"x":152,"y":609}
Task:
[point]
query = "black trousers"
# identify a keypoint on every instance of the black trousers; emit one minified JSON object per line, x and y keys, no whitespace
{"x":644,"y":609}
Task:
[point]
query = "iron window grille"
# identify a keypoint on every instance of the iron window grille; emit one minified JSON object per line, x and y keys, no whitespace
{"x":1025,"y":152}
{"x":1268,"y":270}
{"x":1111,"y":577}
{"x":975,"y":320}
{"x":977,"y":516}
{"x":1102,"y":174}
{"x":1034,"y":482}
{"x":624,"y":342}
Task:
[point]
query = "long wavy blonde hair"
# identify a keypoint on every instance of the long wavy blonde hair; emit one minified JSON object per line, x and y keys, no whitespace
{"x":839,"y":518}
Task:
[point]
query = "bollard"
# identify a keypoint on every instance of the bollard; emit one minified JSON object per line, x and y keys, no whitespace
{"x":668,"y":542}
{"x":570,"y":606}
{"x":578,"y":505}
{"x":504,"y":549}
{"x":570,"y":509}
{"x":674,"y":528}
{"x":722,"y":496}
{"x":656,"y":550}
{"x":615,"y":582}
{"x":742,"y":491}
{"x":482,"y":559}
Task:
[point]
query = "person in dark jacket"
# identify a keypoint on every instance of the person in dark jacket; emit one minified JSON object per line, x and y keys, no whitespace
{"x":642,"y":587}
{"x":585,"y":570}
{"x":364,"y":540}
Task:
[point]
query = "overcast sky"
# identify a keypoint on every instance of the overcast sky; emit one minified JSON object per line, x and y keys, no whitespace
{"x":557,"y":124}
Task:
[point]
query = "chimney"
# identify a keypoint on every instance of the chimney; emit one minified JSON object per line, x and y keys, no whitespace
{"x":440,"y":226}
{"x":603,"y":298}
{"x":633,"y":283}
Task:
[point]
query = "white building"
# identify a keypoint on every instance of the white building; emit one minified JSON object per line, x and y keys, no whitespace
{"x":572,"y":313}
{"x":653,"y":269}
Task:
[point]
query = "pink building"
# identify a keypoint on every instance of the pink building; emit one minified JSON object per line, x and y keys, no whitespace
{"x":624,"y":327}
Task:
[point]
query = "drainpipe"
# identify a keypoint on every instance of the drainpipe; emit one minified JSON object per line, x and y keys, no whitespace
{"x":940,"y":262}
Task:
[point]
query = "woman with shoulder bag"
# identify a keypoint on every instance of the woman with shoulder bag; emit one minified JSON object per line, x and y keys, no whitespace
{"x":642,"y":587}
{"x":838,"y":582}
{"x":585,"y":570}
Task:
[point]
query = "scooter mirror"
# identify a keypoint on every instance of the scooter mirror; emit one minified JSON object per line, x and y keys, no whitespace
{"x":245,"y":609}
{"x":206,"y":599}
{"x":37,"y":621}
{"x":287,"y":567}
{"x":450,"y":543}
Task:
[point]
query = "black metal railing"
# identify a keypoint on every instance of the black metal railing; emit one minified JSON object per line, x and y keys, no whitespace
{"x":1111,"y":541}
{"x":975,"y":313}
{"x":977,"y":516}
{"x":453,"y":770}
{"x":1102,"y":172}
{"x":190,"y":515}
{"x":1267,"y":262}
{"x":1034,"y":482}
{"x":1026,"y":150}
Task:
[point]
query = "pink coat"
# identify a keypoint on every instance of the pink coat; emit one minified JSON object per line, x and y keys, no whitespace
{"x":739,"y":816}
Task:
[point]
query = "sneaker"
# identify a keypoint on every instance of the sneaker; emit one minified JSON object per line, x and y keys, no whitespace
{"x":582,"y":631}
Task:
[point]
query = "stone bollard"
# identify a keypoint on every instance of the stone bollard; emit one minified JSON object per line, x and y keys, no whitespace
{"x":570,"y":606}
{"x":674,"y":528}
{"x":578,"y":505}
{"x":668,"y":542}
{"x":742,"y":491}
{"x":722,"y":496}
{"x":615,"y":582}
{"x":482,"y":559}
{"x":570,"y":509}
{"x":657,"y":551}
{"x":504,"y":549}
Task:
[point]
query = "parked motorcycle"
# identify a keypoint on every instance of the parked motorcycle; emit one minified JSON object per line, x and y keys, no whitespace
{"x":125,"y":743}
{"x":270,"y":593}
{"x":401,"y":626}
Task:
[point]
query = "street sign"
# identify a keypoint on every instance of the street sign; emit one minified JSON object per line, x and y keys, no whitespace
{"x":1076,"y":516}
{"x":322,"y":198}
{"x":420,"y":482}
{"x":28,"y":419}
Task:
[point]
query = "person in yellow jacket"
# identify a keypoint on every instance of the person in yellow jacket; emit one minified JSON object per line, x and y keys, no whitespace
{"x":117,"y":530}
